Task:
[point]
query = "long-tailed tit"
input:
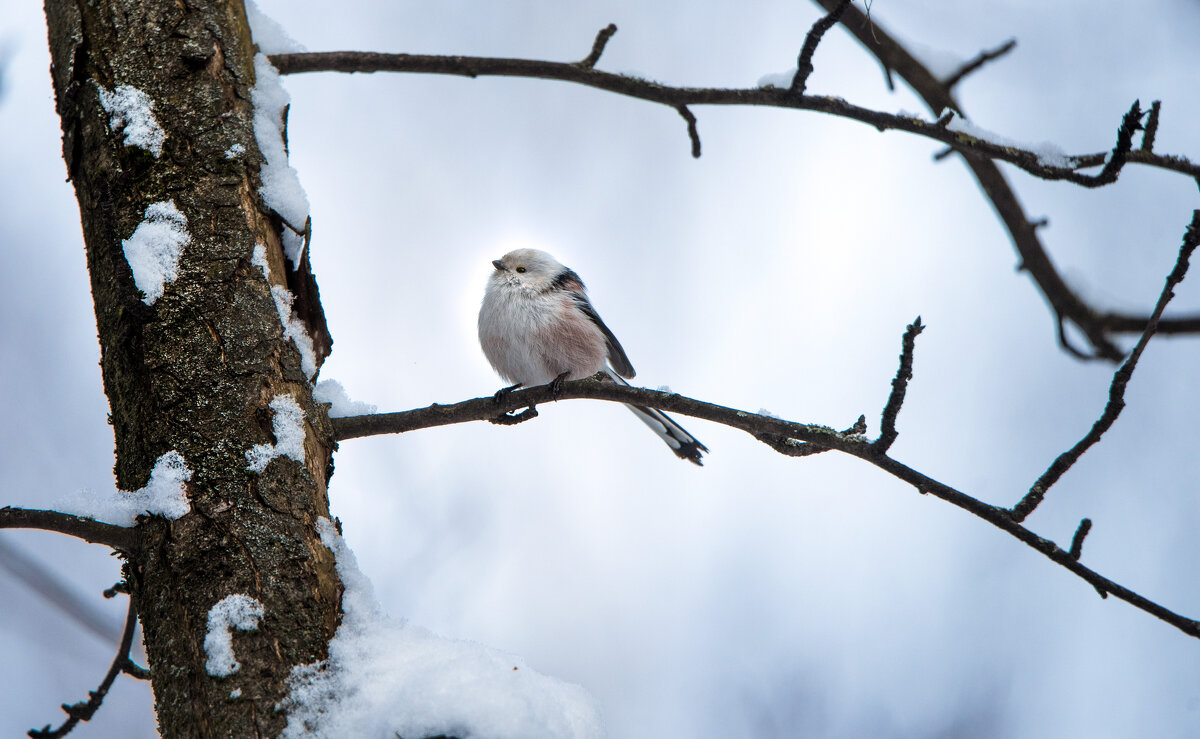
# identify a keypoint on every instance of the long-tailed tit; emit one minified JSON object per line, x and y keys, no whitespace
{"x":537,"y":325}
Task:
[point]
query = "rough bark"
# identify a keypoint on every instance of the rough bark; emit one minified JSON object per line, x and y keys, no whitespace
{"x":196,"y":370}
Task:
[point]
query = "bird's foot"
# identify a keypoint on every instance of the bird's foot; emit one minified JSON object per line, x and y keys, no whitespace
{"x":556,"y":385}
{"x":503,"y":392}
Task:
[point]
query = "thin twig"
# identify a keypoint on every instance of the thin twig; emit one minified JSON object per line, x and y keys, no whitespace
{"x":1080,"y":534}
{"x":84,"y":710}
{"x":89,"y":530}
{"x":1151,"y":127}
{"x":589,"y":61}
{"x":1116,"y":390}
{"x":983,"y":58}
{"x":1131,"y":123}
{"x":693,"y":133}
{"x":888,"y":433}
{"x":804,"y":66}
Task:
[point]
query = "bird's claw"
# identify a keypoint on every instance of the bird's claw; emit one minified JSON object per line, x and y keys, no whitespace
{"x":503,"y":392}
{"x":556,"y":385}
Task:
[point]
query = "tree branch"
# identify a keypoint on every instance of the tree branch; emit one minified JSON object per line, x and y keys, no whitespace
{"x":674,"y":97}
{"x":975,"y":64}
{"x":1116,"y":390}
{"x":1097,"y":326}
{"x":787,"y":437}
{"x":84,"y":710}
{"x":980,"y":155}
{"x":89,"y":530}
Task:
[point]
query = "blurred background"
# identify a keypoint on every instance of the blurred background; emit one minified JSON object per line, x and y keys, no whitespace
{"x":759,"y":595}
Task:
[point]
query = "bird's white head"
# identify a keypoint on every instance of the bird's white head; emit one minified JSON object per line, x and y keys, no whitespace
{"x":531,"y":269}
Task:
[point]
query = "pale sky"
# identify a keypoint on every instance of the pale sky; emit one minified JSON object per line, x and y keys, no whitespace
{"x":758,"y":596}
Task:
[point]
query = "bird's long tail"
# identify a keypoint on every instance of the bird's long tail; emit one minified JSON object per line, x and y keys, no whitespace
{"x":681,"y":442}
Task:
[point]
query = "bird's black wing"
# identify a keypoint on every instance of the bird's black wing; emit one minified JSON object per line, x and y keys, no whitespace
{"x":569,"y":281}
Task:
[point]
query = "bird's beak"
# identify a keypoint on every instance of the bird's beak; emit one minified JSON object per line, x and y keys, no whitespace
{"x":496,"y":263}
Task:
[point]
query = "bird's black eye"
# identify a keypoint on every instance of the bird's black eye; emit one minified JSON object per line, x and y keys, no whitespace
{"x":521,"y":269}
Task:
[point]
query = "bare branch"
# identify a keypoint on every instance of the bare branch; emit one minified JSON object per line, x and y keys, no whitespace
{"x":598,"y":45}
{"x":804,"y":66}
{"x":89,"y":530}
{"x":1116,"y":391}
{"x":472,"y":66}
{"x":976,"y":63}
{"x":888,"y":433}
{"x":84,"y":710}
{"x":1067,"y":306}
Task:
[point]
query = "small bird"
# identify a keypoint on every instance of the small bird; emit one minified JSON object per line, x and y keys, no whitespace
{"x":537,"y":326}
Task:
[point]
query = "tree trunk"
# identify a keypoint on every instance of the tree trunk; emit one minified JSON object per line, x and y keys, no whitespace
{"x":196,"y":370}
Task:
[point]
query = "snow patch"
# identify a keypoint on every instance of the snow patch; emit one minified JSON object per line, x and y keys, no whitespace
{"x":332,"y":392}
{"x":164,"y":495}
{"x":268,"y":33}
{"x":235,"y":150}
{"x":293,"y":327}
{"x":782,"y":80}
{"x":132,"y":110}
{"x":154,"y":249}
{"x":288,"y":426}
{"x":281,"y":188}
{"x":386,"y":678}
{"x":233,"y":611}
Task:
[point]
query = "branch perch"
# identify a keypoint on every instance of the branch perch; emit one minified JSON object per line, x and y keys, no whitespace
{"x":786,"y":437}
